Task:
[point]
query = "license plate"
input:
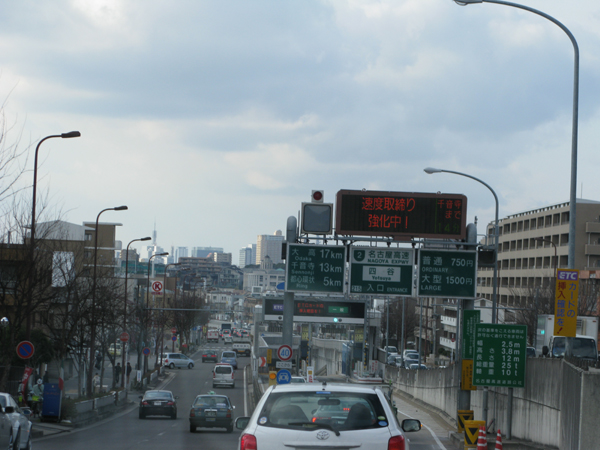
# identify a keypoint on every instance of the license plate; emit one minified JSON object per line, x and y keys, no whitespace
{"x":211,"y":414}
{"x":210,"y":419}
{"x":156,"y":403}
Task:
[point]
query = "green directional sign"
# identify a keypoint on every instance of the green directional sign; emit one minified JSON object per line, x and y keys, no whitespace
{"x":500,"y":355}
{"x":471,"y":317}
{"x":315,"y":268}
{"x":448,"y":274}
{"x":386,"y":271}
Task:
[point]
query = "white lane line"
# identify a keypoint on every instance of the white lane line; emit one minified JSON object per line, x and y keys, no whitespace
{"x":430,"y":430}
{"x":245,"y":395}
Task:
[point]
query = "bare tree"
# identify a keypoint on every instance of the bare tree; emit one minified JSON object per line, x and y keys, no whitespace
{"x":411,"y":319}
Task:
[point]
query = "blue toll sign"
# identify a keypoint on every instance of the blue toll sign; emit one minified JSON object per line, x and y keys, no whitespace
{"x":284,"y":376}
{"x":25,"y":349}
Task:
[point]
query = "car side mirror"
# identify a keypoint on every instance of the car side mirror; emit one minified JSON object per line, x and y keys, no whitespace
{"x":141,"y":396}
{"x":241,"y":422}
{"x":545,"y":350}
{"x":9,"y":409}
{"x":409,"y":425}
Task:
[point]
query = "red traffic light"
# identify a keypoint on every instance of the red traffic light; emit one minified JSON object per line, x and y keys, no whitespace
{"x":317,"y":196}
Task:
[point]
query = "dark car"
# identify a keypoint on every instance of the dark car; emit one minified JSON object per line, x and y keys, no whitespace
{"x":210,"y":355}
{"x":158,"y":403}
{"x":211,"y":411}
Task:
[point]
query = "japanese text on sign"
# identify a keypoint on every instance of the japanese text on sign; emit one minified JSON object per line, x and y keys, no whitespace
{"x":376,"y":213}
{"x":565,"y":302}
{"x":445,"y":273}
{"x":381,"y":271}
{"x":500,"y":355}
{"x":315,"y":268}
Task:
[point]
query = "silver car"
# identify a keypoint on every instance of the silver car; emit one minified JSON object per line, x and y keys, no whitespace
{"x":323,"y":417}
{"x":178,"y":360}
{"x":15,"y":426}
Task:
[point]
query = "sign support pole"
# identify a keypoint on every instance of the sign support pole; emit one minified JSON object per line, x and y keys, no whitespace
{"x":288,"y":297}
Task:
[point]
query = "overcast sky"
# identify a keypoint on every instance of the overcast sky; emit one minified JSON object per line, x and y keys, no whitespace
{"x":217,"y":118}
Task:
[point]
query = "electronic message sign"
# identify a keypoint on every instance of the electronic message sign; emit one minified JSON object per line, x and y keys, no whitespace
{"x":315,"y":268}
{"x":317,"y":310}
{"x":401,"y":215}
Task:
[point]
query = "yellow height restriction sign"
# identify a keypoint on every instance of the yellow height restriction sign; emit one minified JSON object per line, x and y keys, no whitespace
{"x":565,"y":302}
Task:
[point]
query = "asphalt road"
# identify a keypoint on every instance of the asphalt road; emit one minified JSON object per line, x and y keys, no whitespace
{"x":127,"y":431}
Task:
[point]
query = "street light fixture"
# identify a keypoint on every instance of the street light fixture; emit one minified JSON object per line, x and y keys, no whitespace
{"x":431,"y":170}
{"x":147,"y":300}
{"x":71,"y":134}
{"x":147,"y":238}
{"x":93,"y":315}
{"x":573,"y":186}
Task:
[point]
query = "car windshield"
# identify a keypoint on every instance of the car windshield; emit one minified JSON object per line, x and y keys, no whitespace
{"x":223,"y":369}
{"x":228,"y":355}
{"x":322,"y":409}
{"x":582,"y":347}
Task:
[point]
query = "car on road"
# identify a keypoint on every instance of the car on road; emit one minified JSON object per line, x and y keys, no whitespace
{"x":211,"y":411}
{"x":229,"y":357}
{"x":242,"y":348}
{"x":227,"y":339}
{"x":296,"y":379}
{"x":21,"y":425}
{"x":158,"y":403}
{"x":209,"y":355}
{"x":410,"y":361}
{"x":324,"y":416}
{"x":115,"y":349}
{"x":178,"y":360}
{"x":223,"y":375}
{"x":417,"y":367}
{"x":531,"y":352}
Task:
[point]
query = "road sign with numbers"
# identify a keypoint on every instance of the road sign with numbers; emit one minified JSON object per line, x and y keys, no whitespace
{"x":387,"y":271}
{"x":315,"y":268}
{"x":448,"y":274}
{"x":500,"y":355}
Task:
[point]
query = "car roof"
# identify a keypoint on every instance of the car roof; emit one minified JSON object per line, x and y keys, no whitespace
{"x":328,"y":387}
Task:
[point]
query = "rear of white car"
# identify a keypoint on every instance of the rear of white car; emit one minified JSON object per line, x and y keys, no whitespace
{"x":323,"y":417}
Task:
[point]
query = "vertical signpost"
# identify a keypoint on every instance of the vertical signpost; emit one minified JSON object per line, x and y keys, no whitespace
{"x":566,"y":299}
{"x":471,"y":317}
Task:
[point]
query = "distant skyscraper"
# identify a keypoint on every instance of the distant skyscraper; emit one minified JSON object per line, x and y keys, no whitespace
{"x":247,"y":256}
{"x":203,"y":252}
{"x":269,"y":245}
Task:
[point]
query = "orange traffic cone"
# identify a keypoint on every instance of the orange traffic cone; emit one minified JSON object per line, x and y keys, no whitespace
{"x":482,"y":439}
{"x":498,"y":441}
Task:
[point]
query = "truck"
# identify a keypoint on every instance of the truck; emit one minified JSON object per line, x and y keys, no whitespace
{"x":584,"y":344}
{"x":212,"y":335}
{"x":226,"y":326}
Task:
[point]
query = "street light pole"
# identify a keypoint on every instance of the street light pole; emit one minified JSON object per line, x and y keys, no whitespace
{"x":147,"y":300}
{"x":431,"y":170}
{"x":93,"y":315}
{"x":71,"y":134}
{"x":147,"y":238}
{"x":164,"y":303}
{"x":574,"y":127}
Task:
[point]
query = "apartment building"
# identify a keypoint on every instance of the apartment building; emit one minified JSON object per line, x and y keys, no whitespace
{"x":532,"y":244}
{"x":269,"y":245}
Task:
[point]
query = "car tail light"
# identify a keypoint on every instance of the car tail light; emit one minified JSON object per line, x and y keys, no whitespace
{"x":248,"y":442}
{"x":396,"y":443}
{"x":145,"y":403}
{"x":170,"y":403}
{"x":214,"y":375}
{"x":232,"y":375}
{"x":192,"y":413}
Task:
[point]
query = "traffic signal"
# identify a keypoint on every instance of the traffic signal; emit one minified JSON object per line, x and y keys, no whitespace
{"x":317,"y":217}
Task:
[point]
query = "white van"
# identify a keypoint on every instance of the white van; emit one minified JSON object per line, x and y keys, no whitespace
{"x":242,"y":348}
{"x":223,"y":375}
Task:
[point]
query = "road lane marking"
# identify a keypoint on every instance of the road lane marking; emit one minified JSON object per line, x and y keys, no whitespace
{"x":438,"y":442}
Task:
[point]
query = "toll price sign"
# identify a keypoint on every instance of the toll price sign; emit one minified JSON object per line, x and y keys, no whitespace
{"x":315,"y":268}
{"x":448,"y":274}
{"x":500,"y":355}
{"x":386,"y":271}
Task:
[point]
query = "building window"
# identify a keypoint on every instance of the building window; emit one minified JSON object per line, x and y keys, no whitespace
{"x":88,"y":236}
